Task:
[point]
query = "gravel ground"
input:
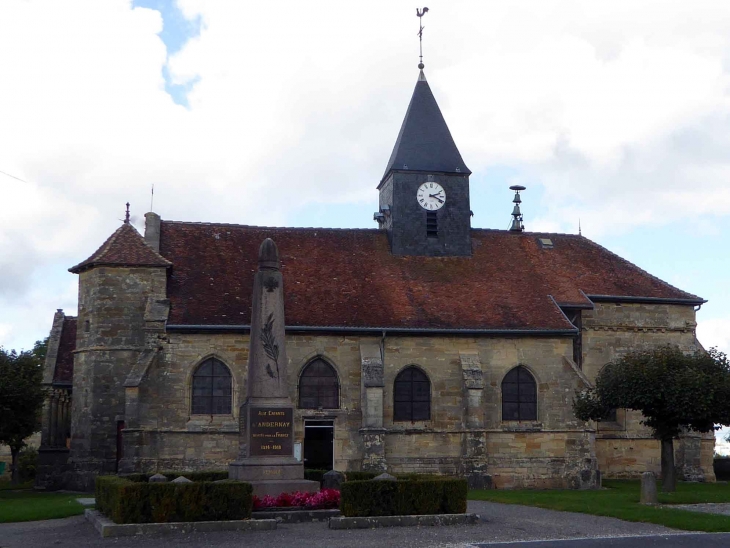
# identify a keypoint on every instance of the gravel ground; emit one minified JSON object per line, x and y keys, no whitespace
{"x":499,"y":522}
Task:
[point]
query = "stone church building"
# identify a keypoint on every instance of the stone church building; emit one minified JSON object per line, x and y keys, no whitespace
{"x":423,"y":345}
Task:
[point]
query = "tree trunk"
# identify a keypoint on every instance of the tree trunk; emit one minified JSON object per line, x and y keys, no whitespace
{"x":14,"y":468}
{"x":669,"y":474}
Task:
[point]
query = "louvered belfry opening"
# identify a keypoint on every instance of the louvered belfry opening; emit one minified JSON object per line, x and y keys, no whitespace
{"x":432,"y":227}
{"x":319,"y":387}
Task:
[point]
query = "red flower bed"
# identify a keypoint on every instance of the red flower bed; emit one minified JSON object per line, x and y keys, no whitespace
{"x":325,"y":499}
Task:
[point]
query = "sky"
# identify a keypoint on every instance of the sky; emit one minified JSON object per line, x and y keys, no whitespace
{"x":614,"y":114}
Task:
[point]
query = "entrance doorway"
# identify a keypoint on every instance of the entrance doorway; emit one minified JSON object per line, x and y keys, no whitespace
{"x":319,"y":444}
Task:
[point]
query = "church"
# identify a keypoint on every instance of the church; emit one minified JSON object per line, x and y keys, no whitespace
{"x":423,"y":345}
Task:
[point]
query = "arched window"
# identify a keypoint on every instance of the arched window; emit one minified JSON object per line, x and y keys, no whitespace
{"x":519,"y":396}
{"x":412,"y":396}
{"x":318,"y":386}
{"x":212,"y":389}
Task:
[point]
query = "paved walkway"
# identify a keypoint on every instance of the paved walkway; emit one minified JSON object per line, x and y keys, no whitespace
{"x":722,"y":508}
{"x":499,"y":522}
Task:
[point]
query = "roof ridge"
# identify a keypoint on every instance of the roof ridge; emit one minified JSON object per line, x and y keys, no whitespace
{"x":507,"y":231}
{"x":203,"y":223}
{"x":637,"y":267}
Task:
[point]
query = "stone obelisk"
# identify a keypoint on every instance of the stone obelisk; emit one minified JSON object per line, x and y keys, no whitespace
{"x":267,"y":431}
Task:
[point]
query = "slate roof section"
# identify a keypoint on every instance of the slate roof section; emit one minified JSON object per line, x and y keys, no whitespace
{"x":424,"y":142}
{"x":125,"y":247}
{"x":348,"y":278}
{"x":63,"y":374}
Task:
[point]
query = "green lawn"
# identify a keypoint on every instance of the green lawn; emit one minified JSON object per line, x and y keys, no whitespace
{"x":29,"y":505}
{"x":5,"y":485}
{"x":620,"y":499}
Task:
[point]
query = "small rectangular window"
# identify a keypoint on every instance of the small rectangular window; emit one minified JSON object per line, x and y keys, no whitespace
{"x":432,"y":228}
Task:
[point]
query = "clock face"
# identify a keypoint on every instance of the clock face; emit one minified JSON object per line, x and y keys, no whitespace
{"x":431,"y":196}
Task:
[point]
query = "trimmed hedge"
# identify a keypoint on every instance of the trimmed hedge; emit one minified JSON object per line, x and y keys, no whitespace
{"x":314,"y":475}
{"x":364,"y":476}
{"x":403,"y":497}
{"x":209,"y":475}
{"x":126,"y":501}
{"x":360,"y":476}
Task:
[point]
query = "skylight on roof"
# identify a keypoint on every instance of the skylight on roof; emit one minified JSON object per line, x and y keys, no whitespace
{"x":545,"y":243}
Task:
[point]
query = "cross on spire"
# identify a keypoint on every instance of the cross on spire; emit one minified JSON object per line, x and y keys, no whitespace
{"x":420,"y":14}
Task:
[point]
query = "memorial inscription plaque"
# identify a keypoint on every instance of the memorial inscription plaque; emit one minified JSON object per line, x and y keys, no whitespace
{"x":271,"y":431}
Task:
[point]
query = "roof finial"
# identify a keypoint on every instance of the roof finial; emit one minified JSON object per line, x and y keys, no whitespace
{"x":126,"y":215}
{"x":579,"y":232}
{"x":420,"y":14}
{"x":517,"y":225}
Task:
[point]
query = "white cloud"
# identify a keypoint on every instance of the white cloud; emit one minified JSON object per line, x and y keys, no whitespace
{"x":620,"y":109}
{"x":715,"y":332}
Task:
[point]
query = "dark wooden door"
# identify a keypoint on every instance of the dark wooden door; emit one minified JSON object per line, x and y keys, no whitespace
{"x":319,"y":445}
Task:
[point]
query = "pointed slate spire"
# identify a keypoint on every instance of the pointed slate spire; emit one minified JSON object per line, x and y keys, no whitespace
{"x":424,"y":142}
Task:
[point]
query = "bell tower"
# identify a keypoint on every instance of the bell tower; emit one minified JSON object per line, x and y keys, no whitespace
{"x":424,"y":193}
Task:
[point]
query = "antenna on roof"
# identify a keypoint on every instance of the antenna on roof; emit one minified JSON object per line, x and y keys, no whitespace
{"x":420,"y":14}
{"x":517,"y":225}
{"x":152,"y":199}
{"x":126,"y":215}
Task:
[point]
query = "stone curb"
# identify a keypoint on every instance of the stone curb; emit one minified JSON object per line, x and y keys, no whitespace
{"x":371,"y":522}
{"x":296,"y":516}
{"x":107,"y":528}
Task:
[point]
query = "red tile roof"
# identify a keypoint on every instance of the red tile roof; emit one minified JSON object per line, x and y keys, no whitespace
{"x":125,"y":247}
{"x":349,"y":278}
{"x":63,"y":373}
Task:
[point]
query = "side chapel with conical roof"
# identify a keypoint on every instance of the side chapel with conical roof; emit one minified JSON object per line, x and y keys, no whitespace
{"x":424,"y":345}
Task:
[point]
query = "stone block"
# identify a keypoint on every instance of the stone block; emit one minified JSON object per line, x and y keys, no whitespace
{"x":648,"y":488}
{"x":333,"y":480}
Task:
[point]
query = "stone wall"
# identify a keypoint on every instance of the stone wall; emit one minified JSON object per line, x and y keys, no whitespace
{"x":465,"y":429}
{"x":465,"y":434}
{"x":164,"y":408}
{"x":625,"y":448}
{"x":110,"y":338}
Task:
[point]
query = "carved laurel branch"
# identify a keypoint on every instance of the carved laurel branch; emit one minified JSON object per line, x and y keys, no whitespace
{"x":270,"y":347}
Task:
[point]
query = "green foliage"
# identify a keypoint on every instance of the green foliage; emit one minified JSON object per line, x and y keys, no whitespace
{"x":673,"y":390}
{"x":315,"y":475}
{"x":27,"y":462}
{"x":31,"y":505}
{"x":126,"y":501}
{"x":21,"y":398}
{"x":206,"y":475}
{"x":403,"y":497}
{"x":40,"y":348}
{"x":360,"y":476}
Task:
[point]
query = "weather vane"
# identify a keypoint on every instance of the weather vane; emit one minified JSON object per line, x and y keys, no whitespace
{"x":126,"y":215}
{"x":420,"y":14}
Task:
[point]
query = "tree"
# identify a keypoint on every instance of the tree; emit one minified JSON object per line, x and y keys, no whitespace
{"x":673,"y":391}
{"x":21,"y":398}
